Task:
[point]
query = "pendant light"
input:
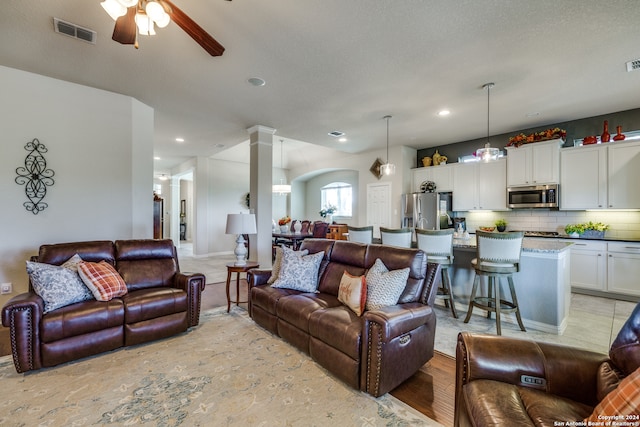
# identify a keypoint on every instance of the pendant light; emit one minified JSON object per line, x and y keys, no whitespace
{"x":281,"y":188}
{"x":388,"y":168}
{"x":487,"y":153}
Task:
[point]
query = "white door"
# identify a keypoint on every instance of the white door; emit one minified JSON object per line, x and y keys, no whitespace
{"x":379,"y":206}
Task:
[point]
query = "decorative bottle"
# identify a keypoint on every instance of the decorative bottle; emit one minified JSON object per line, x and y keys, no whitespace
{"x":606,"y":136}
{"x":619,"y":136}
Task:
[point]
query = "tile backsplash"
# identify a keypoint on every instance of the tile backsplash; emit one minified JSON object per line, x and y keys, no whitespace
{"x":622,"y":224}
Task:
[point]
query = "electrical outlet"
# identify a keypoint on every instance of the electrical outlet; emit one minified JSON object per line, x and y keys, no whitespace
{"x":6,"y":288}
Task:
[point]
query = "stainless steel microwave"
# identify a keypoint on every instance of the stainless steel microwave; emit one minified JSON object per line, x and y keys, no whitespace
{"x":534,"y":196}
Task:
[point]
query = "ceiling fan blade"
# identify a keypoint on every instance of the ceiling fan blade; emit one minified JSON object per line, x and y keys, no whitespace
{"x":194,"y":30}
{"x":125,"y":30}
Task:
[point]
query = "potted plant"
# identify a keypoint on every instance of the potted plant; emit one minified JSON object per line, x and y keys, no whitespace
{"x":501,"y":225}
{"x":594,"y":230}
{"x":327,"y":212}
{"x":574,"y":230}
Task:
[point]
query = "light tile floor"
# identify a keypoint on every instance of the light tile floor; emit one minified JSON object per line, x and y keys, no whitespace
{"x":593,"y":322}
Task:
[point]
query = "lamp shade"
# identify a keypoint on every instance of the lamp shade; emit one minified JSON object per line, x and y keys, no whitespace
{"x":241,"y":224}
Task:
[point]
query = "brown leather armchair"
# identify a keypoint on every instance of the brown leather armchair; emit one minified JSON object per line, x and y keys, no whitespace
{"x":508,"y":381}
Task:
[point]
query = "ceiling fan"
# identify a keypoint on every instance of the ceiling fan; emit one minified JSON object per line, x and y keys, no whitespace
{"x":133,"y":16}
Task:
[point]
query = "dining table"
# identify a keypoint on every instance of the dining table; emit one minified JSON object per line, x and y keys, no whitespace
{"x":293,"y":237}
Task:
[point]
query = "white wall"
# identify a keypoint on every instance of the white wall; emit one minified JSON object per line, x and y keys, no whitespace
{"x":100,"y":146}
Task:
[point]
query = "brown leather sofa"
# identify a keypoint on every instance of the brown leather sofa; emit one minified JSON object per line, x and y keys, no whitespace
{"x":160,"y":302}
{"x":373,"y":353}
{"x":508,"y":381}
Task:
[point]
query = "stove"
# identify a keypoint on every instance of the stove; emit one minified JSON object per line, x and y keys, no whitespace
{"x":541,"y":234}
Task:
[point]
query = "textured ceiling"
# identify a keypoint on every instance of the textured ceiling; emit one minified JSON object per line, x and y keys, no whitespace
{"x":342,"y":65}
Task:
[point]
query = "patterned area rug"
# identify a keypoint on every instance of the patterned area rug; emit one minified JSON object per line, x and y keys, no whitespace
{"x":225,"y":372}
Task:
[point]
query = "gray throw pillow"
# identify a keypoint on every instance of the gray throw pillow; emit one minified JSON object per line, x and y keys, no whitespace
{"x":58,"y":286}
{"x":384,"y":287}
{"x":299,"y":272}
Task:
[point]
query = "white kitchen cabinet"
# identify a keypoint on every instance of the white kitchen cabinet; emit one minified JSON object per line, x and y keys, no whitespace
{"x":480,"y":185}
{"x":533,"y":164}
{"x":623,"y":175}
{"x":583,"y":177}
{"x":623,"y":268}
{"x":442,"y":175}
{"x":589,"y":265}
{"x":602,"y":176}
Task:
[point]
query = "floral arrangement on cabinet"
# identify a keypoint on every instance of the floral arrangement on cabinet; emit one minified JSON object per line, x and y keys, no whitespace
{"x":545,"y":135}
{"x":328,"y":211}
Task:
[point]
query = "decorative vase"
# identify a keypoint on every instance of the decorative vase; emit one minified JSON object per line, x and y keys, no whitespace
{"x":426,"y":161}
{"x":606,"y":136}
{"x":284,"y":228}
{"x":436,"y":158}
{"x":297,"y":227}
{"x":619,"y":136}
{"x":329,"y":218}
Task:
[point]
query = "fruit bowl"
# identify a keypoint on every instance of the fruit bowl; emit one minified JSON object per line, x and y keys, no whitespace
{"x":487,"y":228}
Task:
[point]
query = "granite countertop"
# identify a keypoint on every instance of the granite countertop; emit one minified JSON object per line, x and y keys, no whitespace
{"x":528,"y":245}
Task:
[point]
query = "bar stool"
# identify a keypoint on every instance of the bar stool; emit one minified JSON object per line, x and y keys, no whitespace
{"x":438,"y":245}
{"x":498,"y":255}
{"x":396,"y":236}
{"x":360,"y":234}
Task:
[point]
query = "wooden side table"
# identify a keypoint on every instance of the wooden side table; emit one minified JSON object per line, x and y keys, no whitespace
{"x":233,"y":268}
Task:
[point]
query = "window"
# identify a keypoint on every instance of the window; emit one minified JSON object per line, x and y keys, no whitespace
{"x":337,"y":194}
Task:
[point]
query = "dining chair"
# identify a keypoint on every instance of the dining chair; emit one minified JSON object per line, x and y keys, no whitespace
{"x":306,"y":225}
{"x":498,"y":256}
{"x":438,"y":245}
{"x":320,"y":229}
{"x":360,"y":234}
{"x":396,"y":236}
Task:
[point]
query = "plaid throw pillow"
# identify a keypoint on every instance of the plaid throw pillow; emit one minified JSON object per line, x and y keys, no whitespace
{"x":624,"y":400}
{"x":102,"y":279}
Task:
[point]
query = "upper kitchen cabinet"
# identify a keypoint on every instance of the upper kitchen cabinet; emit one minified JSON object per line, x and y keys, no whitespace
{"x":533,"y":164}
{"x":583,"y":177}
{"x":480,"y":186}
{"x":442,"y":175}
{"x":624,"y":175}
{"x":602,"y":176}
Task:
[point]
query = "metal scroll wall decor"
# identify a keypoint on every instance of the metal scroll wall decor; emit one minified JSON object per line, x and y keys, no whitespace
{"x":35,"y":176}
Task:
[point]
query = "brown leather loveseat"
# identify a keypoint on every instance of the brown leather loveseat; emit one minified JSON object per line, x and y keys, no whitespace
{"x":508,"y":381}
{"x":373,"y":353}
{"x":160,"y":302}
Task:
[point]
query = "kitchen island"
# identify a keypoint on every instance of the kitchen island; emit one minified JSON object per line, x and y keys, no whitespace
{"x":542,"y":285}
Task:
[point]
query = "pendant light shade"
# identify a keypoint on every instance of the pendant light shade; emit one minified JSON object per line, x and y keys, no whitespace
{"x":387,"y":168}
{"x":487,"y":153}
{"x":281,"y":188}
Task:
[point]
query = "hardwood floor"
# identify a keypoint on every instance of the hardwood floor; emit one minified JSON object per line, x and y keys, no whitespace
{"x":430,"y":390}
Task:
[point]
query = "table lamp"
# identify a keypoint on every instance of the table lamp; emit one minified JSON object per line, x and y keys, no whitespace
{"x":241,"y":224}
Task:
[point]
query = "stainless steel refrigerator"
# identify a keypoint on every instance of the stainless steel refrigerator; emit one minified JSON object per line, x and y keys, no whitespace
{"x":429,"y":211}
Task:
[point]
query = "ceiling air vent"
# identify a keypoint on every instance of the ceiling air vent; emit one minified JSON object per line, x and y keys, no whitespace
{"x":633,"y":65}
{"x":75,"y":31}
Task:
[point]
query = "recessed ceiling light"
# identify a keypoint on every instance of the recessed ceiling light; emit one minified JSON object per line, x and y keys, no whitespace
{"x":219,"y":145}
{"x":256,"y":81}
{"x":443,"y":113}
{"x":179,"y":139}
{"x":336,"y":133}
{"x":343,"y":139}
{"x":156,"y":158}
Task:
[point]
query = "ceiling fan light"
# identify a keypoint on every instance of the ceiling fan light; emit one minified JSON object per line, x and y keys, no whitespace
{"x":163,"y":21}
{"x":154,"y":10}
{"x":128,"y":3}
{"x":113,"y":8}
{"x":145,"y":24}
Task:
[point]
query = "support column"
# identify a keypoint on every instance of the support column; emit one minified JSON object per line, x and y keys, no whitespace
{"x":260,"y":182}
